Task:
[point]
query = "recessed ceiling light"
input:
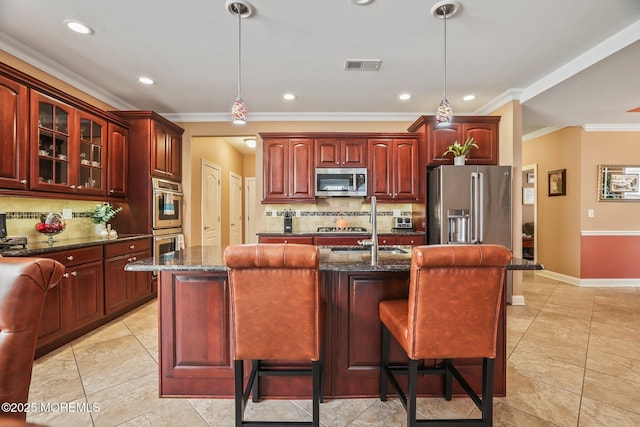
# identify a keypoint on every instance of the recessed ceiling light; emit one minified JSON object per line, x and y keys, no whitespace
{"x":361,"y":2}
{"x":404,"y":96}
{"x":469,"y":97}
{"x":78,"y":27}
{"x":289,"y":96}
{"x":146,"y":80}
{"x":250,"y":142}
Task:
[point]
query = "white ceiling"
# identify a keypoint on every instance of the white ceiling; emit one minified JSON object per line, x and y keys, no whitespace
{"x":571,"y":62}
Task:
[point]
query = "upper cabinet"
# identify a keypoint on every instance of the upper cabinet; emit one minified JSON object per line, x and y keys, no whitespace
{"x":288,"y":169}
{"x":156,"y":145}
{"x":51,"y":141}
{"x":393,"y":168}
{"x":117,"y":174}
{"x":68,"y":148}
{"x":13,"y":134}
{"x":341,"y":153}
{"x":484,"y":129}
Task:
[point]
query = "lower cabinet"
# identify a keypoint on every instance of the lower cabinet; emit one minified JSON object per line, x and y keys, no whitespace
{"x":305,"y":240}
{"x":77,"y":301}
{"x":124,"y":289}
{"x":196,"y":349}
{"x":93,"y":290}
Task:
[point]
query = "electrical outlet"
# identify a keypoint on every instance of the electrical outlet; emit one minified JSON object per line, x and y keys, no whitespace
{"x":591,"y":213}
{"x":274,"y":212}
{"x":67,"y":213}
{"x":396,"y":212}
{"x":298,"y":212}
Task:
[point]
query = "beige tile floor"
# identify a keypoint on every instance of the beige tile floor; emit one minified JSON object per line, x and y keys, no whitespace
{"x":574,"y":360}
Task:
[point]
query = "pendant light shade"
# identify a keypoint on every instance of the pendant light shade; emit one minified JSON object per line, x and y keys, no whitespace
{"x":241,"y":9}
{"x":443,"y":10}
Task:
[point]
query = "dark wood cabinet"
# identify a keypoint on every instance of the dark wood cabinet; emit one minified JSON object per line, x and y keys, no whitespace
{"x":166,"y":152}
{"x":393,"y":168}
{"x":484,"y":129}
{"x":117,"y":161}
{"x":341,"y":152}
{"x":126,"y":289}
{"x":195,"y":335}
{"x":94,"y":289}
{"x":14,"y":119}
{"x":68,"y":146}
{"x":288,"y":169}
{"x":305,"y":240}
{"x":77,"y":301}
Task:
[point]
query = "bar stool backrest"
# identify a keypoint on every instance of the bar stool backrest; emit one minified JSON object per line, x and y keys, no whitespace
{"x":277,"y":310}
{"x":455,"y":293}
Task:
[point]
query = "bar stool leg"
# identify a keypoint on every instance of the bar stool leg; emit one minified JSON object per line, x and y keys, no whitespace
{"x":316,"y":368}
{"x":412,"y":392}
{"x":487,"y":391}
{"x":255,"y":393}
{"x":384,"y":363}
{"x":448,"y":379}
{"x":238,"y":391}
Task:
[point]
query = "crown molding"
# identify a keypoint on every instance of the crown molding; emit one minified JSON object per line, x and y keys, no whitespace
{"x":594,"y":127}
{"x":296,"y":117}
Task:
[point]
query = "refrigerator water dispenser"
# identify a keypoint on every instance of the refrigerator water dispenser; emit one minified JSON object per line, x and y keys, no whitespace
{"x":458,"y":225}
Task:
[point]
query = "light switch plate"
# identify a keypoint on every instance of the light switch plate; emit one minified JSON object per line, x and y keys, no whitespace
{"x":396,"y":212}
{"x":67,"y":213}
{"x":298,"y":212}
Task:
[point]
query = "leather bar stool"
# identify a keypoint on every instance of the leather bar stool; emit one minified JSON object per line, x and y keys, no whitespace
{"x":277,"y":314}
{"x":455,"y":295}
{"x":24,"y":283}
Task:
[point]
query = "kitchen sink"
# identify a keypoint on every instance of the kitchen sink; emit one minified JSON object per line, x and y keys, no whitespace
{"x":361,"y":250}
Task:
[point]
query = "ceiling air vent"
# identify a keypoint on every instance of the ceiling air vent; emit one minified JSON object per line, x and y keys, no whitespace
{"x":362,"y":64}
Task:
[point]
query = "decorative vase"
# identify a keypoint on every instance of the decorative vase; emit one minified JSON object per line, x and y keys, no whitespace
{"x":100,"y":228}
{"x":459,"y":160}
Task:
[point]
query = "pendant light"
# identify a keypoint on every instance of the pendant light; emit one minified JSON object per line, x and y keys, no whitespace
{"x":242,"y":9}
{"x":443,"y":10}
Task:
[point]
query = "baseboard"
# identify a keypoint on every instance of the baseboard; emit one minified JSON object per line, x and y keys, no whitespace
{"x":591,"y":283}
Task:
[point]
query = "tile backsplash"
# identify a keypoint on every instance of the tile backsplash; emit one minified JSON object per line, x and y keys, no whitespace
{"x":325,"y":212}
{"x":23,"y":213}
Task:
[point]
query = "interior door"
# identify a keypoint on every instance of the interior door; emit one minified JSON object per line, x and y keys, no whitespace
{"x":211,"y":210}
{"x":250,"y":210}
{"x":235,"y":209}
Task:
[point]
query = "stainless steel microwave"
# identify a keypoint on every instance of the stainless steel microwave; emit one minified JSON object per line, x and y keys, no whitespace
{"x":341,"y":182}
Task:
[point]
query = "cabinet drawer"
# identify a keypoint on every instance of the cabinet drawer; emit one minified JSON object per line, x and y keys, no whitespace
{"x":410,"y":240}
{"x":339,"y":240}
{"x":305,"y":240}
{"x":122,"y":248}
{"x":77,"y":256}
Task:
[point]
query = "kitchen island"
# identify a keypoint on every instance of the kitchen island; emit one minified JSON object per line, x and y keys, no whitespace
{"x":194,"y":326}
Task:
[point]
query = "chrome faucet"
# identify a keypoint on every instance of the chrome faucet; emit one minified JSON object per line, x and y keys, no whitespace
{"x":373,"y":242}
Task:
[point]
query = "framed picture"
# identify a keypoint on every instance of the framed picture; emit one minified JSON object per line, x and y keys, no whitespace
{"x":557,"y":182}
{"x":618,"y":183}
{"x":528,"y":195}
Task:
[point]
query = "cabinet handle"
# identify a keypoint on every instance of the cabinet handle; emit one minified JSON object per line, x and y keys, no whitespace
{"x":135,"y":258}
{"x":286,"y":241}
{"x":112,"y":191}
{"x":132,"y":246}
{"x":24,"y":181}
{"x":70,"y":258}
{"x":74,"y":273}
{"x":73,"y":187}
{"x":65,"y":275}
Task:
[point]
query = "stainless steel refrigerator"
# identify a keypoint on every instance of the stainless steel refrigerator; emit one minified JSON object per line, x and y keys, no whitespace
{"x":470,"y":204}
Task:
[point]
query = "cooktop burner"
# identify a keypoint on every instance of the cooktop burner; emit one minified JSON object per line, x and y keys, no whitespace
{"x":342,"y":230}
{"x":13,"y":242}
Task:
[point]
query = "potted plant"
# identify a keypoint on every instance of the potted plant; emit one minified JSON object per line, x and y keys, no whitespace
{"x":102,"y":214}
{"x":460,"y":150}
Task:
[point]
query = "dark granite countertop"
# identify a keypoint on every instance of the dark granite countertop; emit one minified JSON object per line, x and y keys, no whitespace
{"x":338,"y":233}
{"x":209,"y":258}
{"x":41,"y":246}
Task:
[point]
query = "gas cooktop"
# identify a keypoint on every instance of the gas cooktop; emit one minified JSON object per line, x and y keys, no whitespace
{"x":342,"y":230}
{"x":13,"y":242}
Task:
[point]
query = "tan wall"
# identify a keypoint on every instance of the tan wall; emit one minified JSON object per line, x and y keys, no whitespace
{"x":558,"y":226}
{"x":608,"y":148}
{"x":229,"y":159}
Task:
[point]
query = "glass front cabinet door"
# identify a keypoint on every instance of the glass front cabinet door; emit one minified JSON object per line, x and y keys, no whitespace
{"x":69,"y":146}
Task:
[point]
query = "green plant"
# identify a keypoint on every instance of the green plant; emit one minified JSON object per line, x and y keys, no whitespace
{"x":460,"y":149}
{"x":103,"y":213}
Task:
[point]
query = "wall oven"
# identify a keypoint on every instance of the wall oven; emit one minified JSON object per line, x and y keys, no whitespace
{"x":167,"y":240}
{"x":167,"y":204}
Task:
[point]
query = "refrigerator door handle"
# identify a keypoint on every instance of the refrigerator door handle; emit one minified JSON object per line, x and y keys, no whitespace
{"x":479,"y":207}
{"x":474,"y":207}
